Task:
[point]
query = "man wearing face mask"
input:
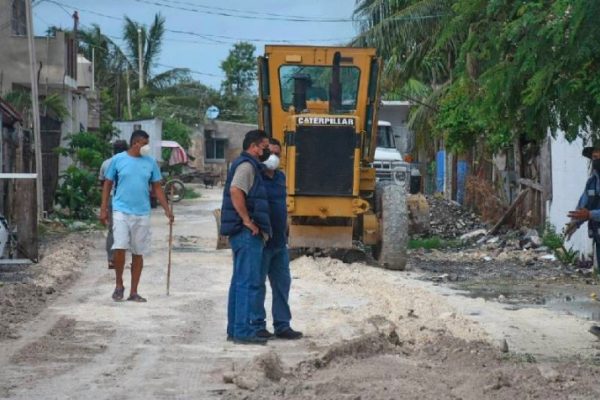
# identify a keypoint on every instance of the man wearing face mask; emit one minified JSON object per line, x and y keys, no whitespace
{"x":275,"y":260}
{"x":245,"y":219}
{"x":588,"y":209}
{"x":133,"y":169}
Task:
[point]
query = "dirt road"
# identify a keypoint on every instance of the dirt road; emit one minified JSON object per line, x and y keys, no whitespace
{"x":370,"y":333}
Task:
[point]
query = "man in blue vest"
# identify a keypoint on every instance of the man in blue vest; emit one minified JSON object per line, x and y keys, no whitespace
{"x":245,"y":219}
{"x":588,"y":209}
{"x":275,"y":260}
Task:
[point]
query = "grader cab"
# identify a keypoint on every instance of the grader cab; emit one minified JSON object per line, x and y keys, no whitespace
{"x":321,"y":104}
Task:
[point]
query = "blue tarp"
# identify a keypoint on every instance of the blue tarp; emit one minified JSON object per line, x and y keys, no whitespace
{"x":462,"y":170}
{"x":440,"y":162}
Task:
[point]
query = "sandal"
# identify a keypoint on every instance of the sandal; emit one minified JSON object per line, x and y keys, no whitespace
{"x":118,"y":294}
{"x":137,"y":298}
{"x":111,"y":265}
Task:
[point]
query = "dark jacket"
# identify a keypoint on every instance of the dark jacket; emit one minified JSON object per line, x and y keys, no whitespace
{"x":590,"y":199}
{"x":277,"y":209}
{"x":256,"y":201}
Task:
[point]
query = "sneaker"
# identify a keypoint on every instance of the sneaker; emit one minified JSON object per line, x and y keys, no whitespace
{"x":250,"y":340}
{"x":289,"y":334}
{"x":263,"y":333}
{"x":118,"y":294}
{"x":595,"y":330}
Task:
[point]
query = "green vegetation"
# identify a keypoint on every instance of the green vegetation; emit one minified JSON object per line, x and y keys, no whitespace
{"x":433,"y":243}
{"x":79,"y":192}
{"x":191,"y":194}
{"x":556,"y":242}
{"x":488,"y":71}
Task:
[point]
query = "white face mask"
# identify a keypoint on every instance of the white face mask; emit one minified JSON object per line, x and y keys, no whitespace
{"x":145,"y":150}
{"x":272,"y":162}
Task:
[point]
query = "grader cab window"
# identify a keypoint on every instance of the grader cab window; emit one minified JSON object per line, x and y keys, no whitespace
{"x":317,"y":80}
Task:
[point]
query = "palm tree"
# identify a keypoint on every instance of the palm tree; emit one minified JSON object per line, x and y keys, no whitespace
{"x":151,"y":38}
{"x":418,"y":59}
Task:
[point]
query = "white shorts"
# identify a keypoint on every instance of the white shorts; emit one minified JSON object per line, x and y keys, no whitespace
{"x":131,"y":232}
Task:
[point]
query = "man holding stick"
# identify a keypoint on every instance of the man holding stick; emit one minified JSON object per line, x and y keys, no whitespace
{"x":133,"y":169}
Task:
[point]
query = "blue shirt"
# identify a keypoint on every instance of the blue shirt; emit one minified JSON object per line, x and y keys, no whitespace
{"x":134,"y":175}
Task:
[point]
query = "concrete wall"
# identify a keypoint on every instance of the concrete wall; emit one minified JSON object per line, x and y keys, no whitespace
{"x":152,"y":126}
{"x":570,"y":171}
{"x":51,"y":53}
{"x":232,"y":132}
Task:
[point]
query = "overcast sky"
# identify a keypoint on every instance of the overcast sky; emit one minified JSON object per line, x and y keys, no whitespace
{"x":263,"y":21}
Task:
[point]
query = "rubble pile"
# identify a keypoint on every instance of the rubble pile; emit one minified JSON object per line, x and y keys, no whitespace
{"x":449,"y":220}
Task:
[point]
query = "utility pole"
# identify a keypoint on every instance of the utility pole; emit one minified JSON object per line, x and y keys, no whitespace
{"x":35,"y":107}
{"x":93,"y":69}
{"x":128,"y":94}
{"x":140,"y":58}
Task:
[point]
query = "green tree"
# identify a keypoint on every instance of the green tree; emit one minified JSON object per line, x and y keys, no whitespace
{"x":152,"y":39}
{"x":240,"y":69}
{"x":238,"y":90}
{"x":494,"y":70}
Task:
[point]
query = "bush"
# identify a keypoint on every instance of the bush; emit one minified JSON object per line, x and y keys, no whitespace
{"x":556,"y":242}
{"x":78,"y":193}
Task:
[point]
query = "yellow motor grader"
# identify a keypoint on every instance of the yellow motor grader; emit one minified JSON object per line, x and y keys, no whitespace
{"x":321,"y":103}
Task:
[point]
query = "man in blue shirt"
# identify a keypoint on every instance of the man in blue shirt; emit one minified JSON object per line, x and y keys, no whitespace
{"x":275,"y":259}
{"x":134,"y":170}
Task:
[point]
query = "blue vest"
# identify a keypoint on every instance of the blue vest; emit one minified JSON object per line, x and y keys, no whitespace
{"x":256,"y":201}
{"x":277,"y":209}
{"x":593,"y":203}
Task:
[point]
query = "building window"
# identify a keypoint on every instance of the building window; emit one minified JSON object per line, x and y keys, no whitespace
{"x":215,"y":148}
{"x":19,"y":21}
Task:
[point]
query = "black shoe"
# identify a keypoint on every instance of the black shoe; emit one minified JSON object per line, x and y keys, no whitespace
{"x":229,"y":338}
{"x":263,"y":333}
{"x":250,"y":340}
{"x":595,"y":330}
{"x":289,"y":334}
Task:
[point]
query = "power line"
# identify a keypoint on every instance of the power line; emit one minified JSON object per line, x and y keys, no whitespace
{"x":191,"y":70}
{"x":275,"y":17}
{"x":239,"y":11}
{"x":222,"y":13}
{"x":217,"y":39}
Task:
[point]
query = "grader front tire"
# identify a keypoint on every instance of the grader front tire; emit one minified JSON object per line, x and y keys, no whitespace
{"x":392,"y":214}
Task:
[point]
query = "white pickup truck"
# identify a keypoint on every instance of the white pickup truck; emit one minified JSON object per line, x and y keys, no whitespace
{"x":388,"y":162}
{"x":389,"y":166}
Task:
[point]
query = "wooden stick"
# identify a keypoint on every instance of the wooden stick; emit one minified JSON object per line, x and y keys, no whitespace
{"x":509,"y":212}
{"x":170,"y":239}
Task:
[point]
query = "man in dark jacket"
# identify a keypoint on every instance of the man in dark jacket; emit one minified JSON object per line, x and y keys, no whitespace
{"x":588,"y":209}
{"x":119,"y":146}
{"x":245,"y":219}
{"x":275,"y":260}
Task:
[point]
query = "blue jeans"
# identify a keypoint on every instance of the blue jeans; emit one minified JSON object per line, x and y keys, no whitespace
{"x":243,"y":308}
{"x":276,"y":265}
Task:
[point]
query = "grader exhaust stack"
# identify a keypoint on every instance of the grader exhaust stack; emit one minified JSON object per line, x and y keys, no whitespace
{"x":321,"y":103}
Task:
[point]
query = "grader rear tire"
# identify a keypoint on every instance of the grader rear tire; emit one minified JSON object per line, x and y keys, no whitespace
{"x":392,"y":214}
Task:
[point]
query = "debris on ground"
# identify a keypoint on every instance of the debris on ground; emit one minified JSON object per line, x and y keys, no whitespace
{"x":449,"y":220}
{"x":384,"y":369}
{"x":26,"y":290}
